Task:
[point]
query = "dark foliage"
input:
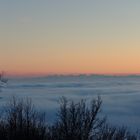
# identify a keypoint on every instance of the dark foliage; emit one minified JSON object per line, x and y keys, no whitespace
{"x":3,"y":81}
{"x":76,"y":121}
{"x":21,"y":122}
{"x":112,"y":133}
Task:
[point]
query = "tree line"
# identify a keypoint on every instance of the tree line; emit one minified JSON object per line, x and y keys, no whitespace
{"x":75,"y":121}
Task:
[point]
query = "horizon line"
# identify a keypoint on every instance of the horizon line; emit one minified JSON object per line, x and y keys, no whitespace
{"x":72,"y":74}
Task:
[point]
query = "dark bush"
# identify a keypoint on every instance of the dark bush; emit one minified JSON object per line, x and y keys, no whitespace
{"x":76,"y":121}
{"x":21,"y":122}
{"x":112,"y":133}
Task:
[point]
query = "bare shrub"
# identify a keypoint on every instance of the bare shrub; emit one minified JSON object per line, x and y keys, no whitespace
{"x":113,"y":133}
{"x":77,"y":121}
{"x":22,"y":121}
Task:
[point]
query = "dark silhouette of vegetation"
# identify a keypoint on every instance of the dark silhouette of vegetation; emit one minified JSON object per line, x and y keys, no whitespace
{"x":76,"y":121}
{"x":21,"y":122}
{"x":3,"y":80}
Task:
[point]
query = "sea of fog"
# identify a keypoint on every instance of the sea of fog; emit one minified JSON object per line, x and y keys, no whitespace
{"x":120,"y":95}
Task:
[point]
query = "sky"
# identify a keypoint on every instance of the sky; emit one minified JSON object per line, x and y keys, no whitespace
{"x":40,"y":37}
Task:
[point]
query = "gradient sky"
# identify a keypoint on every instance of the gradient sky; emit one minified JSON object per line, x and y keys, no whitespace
{"x":70,"y":36}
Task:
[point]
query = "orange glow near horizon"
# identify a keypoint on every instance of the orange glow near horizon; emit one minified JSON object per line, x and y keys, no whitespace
{"x":77,"y":61}
{"x":62,"y":38}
